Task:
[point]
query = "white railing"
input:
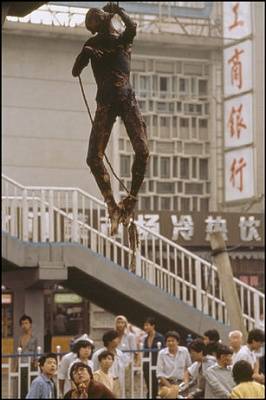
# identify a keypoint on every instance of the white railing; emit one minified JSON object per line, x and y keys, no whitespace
{"x":20,"y":367}
{"x":55,"y":214}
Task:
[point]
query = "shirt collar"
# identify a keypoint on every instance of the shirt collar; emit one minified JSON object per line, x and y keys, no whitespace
{"x":46,"y":379}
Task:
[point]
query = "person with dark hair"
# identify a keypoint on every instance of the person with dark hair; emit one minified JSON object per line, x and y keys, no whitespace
{"x":218,"y":378}
{"x":66,"y":361}
{"x":211,"y":336}
{"x":28,"y":343}
{"x":83,"y":347}
{"x":110,"y":55}
{"x":153,"y":340}
{"x":43,"y":387}
{"x":246,"y":388}
{"x":201,"y":362}
{"x":111,"y":341}
{"x":172,"y":363}
{"x":84,"y":385}
{"x":247,"y":352}
{"x":103,"y":375}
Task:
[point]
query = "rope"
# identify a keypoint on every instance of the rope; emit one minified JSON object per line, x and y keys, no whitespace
{"x":133,"y":236}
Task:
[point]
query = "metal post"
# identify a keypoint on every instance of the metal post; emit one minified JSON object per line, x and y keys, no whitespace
{"x":51,"y":216}
{"x":24,"y":216}
{"x":75,"y":235}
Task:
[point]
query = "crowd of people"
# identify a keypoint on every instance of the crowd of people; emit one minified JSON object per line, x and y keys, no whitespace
{"x":204,"y":368}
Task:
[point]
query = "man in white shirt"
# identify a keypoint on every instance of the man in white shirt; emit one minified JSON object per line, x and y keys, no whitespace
{"x":195,"y":374}
{"x":248,"y":352}
{"x":172,"y":363}
{"x":235,"y":343}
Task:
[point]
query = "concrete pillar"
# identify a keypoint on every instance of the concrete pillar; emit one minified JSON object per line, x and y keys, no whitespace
{"x":230,"y":294}
{"x":34,"y":306}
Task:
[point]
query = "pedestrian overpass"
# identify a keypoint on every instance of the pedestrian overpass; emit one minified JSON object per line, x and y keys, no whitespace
{"x":61,"y":234}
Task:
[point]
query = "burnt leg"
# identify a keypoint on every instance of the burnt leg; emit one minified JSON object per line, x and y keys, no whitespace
{"x":100,"y":134}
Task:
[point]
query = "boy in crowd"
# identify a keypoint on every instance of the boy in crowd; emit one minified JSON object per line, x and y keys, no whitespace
{"x":84,"y":386}
{"x":43,"y":387}
{"x":201,"y":362}
{"x":103,"y":375}
{"x":111,"y":341}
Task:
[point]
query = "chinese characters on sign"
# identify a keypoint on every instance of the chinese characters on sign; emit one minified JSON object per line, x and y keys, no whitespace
{"x":237,"y":21}
{"x":238,"y":68}
{"x":238,"y":121}
{"x":238,"y":113}
{"x":237,"y":169}
{"x":239,"y":174}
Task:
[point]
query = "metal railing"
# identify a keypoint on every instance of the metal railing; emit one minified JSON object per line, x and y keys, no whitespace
{"x":133,"y":385}
{"x":58,"y":214}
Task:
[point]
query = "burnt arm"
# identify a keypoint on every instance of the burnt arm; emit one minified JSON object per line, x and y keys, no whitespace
{"x":131,"y":26}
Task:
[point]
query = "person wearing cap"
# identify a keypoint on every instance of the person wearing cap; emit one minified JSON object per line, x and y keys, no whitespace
{"x":84,"y":386}
{"x":82,"y":347}
{"x":110,"y":55}
{"x":66,"y":361}
{"x":111,"y":341}
{"x":172,"y":364}
{"x":43,"y":387}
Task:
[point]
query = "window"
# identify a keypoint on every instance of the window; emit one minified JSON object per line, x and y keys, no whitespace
{"x":155,"y":166}
{"x":203,"y":169}
{"x":184,"y":168}
{"x":165,"y":187}
{"x":203,"y":123}
{"x":175,"y":167}
{"x":165,"y":167}
{"x":144,"y":82}
{"x":185,"y":204}
{"x":194,"y":167}
{"x":125,"y":166}
{"x":203,"y":87}
{"x":165,"y":203}
{"x":184,"y":123}
{"x":183,"y":85}
{"x":163,"y":84}
{"x":145,"y":203}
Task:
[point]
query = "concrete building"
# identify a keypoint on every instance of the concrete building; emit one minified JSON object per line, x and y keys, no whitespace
{"x":178,"y":79}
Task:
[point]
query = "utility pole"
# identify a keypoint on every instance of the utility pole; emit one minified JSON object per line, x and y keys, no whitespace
{"x":231,"y":298}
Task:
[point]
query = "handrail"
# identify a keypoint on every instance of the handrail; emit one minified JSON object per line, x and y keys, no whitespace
{"x":163,"y":262}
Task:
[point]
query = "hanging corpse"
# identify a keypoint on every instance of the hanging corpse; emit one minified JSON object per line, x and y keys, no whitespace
{"x":110,"y":55}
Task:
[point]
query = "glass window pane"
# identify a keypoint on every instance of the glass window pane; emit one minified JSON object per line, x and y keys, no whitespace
{"x":165,"y":167}
{"x":203,"y":167}
{"x":155,"y":166}
{"x":184,"y":168}
{"x":165,"y":203}
{"x":125,"y":166}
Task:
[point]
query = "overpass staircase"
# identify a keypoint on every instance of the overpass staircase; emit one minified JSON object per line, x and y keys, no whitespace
{"x":62,"y":234}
